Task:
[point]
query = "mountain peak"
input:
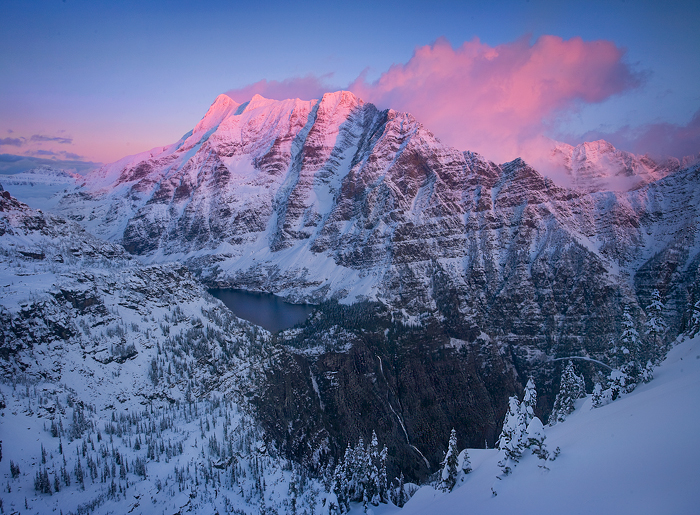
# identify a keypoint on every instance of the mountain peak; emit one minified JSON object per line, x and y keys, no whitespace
{"x":258,"y":101}
{"x":220,"y":109}
{"x":341,"y":97}
{"x":591,"y":148}
{"x":599,"y":166}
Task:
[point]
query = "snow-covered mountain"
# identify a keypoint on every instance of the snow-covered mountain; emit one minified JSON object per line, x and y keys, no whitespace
{"x":599,"y":166}
{"x":124,"y":386}
{"x":458,"y":278}
{"x":38,"y":187}
{"x":333,"y":199}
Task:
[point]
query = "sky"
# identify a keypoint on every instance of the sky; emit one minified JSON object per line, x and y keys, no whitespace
{"x":94,"y":81}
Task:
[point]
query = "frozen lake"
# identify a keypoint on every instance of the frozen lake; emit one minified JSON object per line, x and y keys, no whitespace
{"x":263,"y":309}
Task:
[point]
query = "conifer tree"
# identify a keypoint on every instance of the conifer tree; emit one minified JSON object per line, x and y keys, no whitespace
{"x":656,"y":327}
{"x":535,"y":433}
{"x":448,"y":478}
{"x":529,"y":401}
{"x":629,"y":351}
{"x":600,"y":397}
{"x":466,"y":462}
{"x":360,"y":476}
{"x":383,"y":494}
{"x":400,"y":492}
{"x":372,"y":484}
{"x":292,"y":494}
{"x":695,"y":320}
{"x":571,"y":388}
{"x":510,"y":441}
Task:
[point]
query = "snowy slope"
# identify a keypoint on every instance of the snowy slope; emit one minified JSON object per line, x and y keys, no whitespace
{"x":39,"y":187}
{"x":126,"y":386}
{"x":637,"y":455}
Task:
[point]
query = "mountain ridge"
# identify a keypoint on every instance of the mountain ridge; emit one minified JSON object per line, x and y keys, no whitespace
{"x":344,"y":188}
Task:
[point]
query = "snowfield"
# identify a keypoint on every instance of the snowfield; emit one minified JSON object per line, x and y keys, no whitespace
{"x":637,"y":455}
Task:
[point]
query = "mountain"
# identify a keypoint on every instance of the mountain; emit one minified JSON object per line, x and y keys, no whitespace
{"x":75,"y":307}
{"x":442,"y":280}
{"x":599,"y":166}
{"x":333,"y":199}
{"x":38,"y":187}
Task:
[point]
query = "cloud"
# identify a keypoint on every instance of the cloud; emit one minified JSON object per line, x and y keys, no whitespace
{"x":50,"y":153}
{"x":15,"y":142}
{"x":305,"y":88}
{"x":495,"y":100}
{"x":503,"y":101}
{"x":10,"y":163}
{"x":656,"y":139}
{"x":57,"y":139}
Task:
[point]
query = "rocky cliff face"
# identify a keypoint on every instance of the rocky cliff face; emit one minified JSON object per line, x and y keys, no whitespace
{"x":78,"y":310}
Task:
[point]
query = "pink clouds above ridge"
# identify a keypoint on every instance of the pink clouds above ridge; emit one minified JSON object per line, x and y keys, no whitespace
{"x":305,"y":88}
{"x":494,"y":100}
{"x":656,"y":139}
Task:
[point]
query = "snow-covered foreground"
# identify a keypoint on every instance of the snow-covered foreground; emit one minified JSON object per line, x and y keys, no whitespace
{"x":638,"y":455}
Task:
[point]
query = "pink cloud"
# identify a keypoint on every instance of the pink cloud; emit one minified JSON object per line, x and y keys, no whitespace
{"x":656,"y":139}
{"x":501,"y":100}
{"x":496,"y":100}
{"x":305,"y":88}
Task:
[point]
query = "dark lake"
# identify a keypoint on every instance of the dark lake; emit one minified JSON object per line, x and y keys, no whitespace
{"x":263,"y":309}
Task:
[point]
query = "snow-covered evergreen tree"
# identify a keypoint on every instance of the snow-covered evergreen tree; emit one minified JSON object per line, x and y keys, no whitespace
{"x":360,"y":476}
{"x":571,"y":388}
{"x":371,"y":480}
{"x":656,"y":327}
{"x":399,"y":496}
{"x":629,"y":350}
{"x":292,"y":493}
{"x":383,"y":487}
{"x":529,"y":401}
{"x":510,"y":441}
{"x":695,"y":320}
{"x":465,"y":463}
{"x":600,"y":396}
{"x":357,"y":472}
{"x":341,"y":482}
{"x":448,"y":478}
{"x":535,"y":434}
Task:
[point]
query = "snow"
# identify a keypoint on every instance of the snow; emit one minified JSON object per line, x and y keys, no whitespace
{"x":41,"y":188}
{"x":638,"y":455}
{"x":113,"y":363}
{"x":599,"y":166}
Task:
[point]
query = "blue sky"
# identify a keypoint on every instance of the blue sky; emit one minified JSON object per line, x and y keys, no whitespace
{"x":115,"y":78}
